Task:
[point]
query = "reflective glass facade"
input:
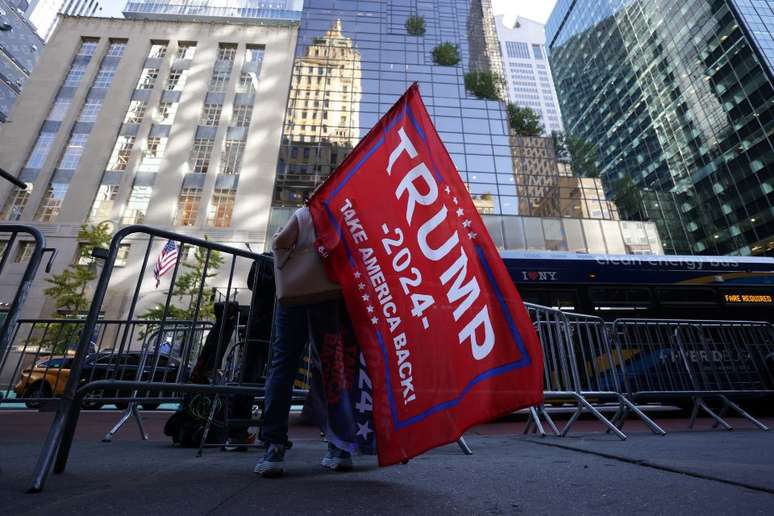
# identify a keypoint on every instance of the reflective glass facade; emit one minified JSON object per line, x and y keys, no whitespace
{"x":355,"y":58}
{"x":678,"y":99}
{"x":20,"y":47}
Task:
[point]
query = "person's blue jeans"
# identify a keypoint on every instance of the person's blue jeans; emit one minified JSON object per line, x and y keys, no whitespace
{"x":293,"y":328}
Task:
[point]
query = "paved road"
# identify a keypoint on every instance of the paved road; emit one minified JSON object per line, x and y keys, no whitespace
{"x":705,"y":472}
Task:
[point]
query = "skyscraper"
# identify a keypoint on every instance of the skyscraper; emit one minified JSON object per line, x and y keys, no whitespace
{"x":353,"y":61}
{"x":678,"y":99}
{"x":171,"y":123}
{"x":526,"y":69}
{"x":20,"y":47}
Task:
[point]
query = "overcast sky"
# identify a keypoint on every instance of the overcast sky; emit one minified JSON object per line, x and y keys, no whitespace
{"x":537,"y":10}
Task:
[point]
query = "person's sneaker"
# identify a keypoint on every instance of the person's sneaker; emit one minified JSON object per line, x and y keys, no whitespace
{"x":273,"y":462}
{"x":337,"y":459}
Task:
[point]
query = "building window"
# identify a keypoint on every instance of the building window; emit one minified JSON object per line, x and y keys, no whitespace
{"x":102,"y":208}
{"x":200,"y":155}
{"x":88,"y":47}
{"x":517,"y":49}
{"x":75,"y":75}
{"x":24,"y":252}
{"x":219,"y":81}
{"x":119,"y":160}
{"x":176,"y":80}
{"x":137,"y":205}
{"x":104,"y":78}
{"x":211,"y":115}
{"x":221,"y":208}
{"x":59,"y":109}
{"x":226,"y":51}
{"x":16,"y":203}
{"x":40,"y":151}
{"x":232,"y":157}
{"x":158,"y":50}
{"x":188,"y":206}
{"x":254,"y":54}
{"x":537,"y":52}
{"x":185,"y":50}
{"x":116,"y":48}
{"x":154,"y":151}
{"x":136,"y":112}
{"x":242,"y":115}
{"x":52,"y":202}
{"x":90,"y":110}
{"x":247,"y":82}
{"x":148,"y":79}
{"x":73,"y":152}
{"x":167,"y":112}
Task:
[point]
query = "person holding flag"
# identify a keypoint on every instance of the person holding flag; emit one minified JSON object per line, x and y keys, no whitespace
{"x":309,"y":309}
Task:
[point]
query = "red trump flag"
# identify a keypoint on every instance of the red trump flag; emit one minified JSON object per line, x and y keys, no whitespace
{"x":447,"y":341}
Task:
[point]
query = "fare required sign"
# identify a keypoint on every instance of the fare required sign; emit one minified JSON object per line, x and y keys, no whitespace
{"x":447,"y":341}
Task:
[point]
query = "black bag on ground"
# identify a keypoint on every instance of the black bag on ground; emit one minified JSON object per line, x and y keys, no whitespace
{"x":186,"y":426}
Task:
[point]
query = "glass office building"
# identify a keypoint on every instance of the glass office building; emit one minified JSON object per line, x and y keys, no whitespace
{"x":355,"y":58}
{"x":679,"y":101}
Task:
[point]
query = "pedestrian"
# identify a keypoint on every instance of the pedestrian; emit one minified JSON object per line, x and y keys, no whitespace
{"x":310,"y":307}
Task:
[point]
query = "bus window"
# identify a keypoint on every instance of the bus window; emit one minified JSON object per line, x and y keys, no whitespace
{"x":687,"y":295}
{"x":616,"y":298}
{"x":566,"y":300}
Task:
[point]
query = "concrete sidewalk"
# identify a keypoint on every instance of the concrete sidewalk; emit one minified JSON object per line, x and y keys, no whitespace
{"x":706,"y":472}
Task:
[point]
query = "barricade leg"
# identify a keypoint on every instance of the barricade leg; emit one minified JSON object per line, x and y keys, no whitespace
{"x":68,"y":434}
{"x":138,"y":419}
{"x":534,"y":419}
{"x":727,"y":403}
{"x":47,"y":454}
{"x":628,"y":406}
{"x":698,"y":403}
{"x":210,"y":421}
{"x":584,"y":404}
{"x":130,"y":411}
{"x":464,"y":446}
{"x":543,"y":412}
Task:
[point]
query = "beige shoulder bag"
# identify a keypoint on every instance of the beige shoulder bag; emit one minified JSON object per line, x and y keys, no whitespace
{"x":299,"y":273}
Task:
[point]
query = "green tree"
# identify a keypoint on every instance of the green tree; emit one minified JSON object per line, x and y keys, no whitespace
{"x":69,"y":288}
{"x":583,"y":155}
{"x":186,"y":289}
{"x":415,"y":26}
{"x":524,"y":121}
{"x":628,"y":199}
{"x":446,"y":54}
{"x":483,"y":85}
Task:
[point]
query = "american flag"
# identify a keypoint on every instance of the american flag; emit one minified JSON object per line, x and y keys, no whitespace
{"x":166,"y":260}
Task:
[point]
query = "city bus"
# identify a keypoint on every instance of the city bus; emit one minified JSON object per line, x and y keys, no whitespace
{"x":670,"y":287}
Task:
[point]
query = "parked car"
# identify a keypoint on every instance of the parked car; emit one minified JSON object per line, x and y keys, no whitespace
{"x":45,"y":379}
{"x":125,"y":366}
{"x":48,"y":377}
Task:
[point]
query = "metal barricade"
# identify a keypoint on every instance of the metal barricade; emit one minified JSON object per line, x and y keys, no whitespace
{"x":671,"y":360}
{"x":572,"y":348}
{"x":9,"y":235}
{"x":41,"y":351}
{"x":196,"y":280}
